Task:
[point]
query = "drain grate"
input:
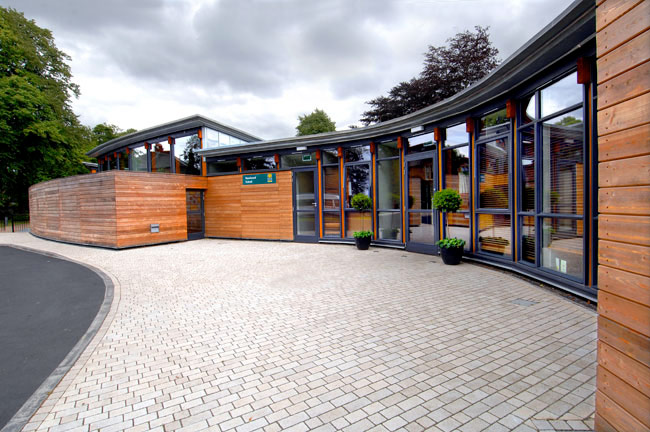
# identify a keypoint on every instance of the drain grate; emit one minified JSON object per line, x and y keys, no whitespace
{"x":522,"y":302}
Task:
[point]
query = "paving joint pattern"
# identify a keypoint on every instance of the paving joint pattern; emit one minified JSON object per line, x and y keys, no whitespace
{"x":242,"y":335}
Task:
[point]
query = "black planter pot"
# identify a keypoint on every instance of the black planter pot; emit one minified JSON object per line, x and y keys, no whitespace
{"x":451,"y":256}
{"x":363,"y":243}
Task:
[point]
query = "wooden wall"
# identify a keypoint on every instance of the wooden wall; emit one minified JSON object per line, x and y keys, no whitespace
{"x":112,"y":209}
{"x":623,"y":48}
{"x":234,"y":210}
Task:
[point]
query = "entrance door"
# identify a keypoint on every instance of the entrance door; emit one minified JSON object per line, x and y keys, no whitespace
{"x":421,"y":219}
{"x":305,"y":205}
{"x":195,"y":219}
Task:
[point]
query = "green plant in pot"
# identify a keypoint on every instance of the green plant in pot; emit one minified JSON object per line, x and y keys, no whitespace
{"x":451,"y":248}
{"x":362,"y":203}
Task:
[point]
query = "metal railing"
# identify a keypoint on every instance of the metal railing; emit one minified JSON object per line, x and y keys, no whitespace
{"x":14,"y":224}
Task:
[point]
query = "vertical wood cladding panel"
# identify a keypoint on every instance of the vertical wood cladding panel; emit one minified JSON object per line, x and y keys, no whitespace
{"x":234,"y":210}
{"x":623,"y":396}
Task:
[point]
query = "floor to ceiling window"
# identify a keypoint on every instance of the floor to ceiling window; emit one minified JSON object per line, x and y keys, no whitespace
{"x":389,"y":185}
{"x":358,"y":179}
{"x":331,"y":187}
{"x":457,"y":176}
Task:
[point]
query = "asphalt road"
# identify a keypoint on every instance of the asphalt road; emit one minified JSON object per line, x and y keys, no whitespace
{"x":46,"y":306}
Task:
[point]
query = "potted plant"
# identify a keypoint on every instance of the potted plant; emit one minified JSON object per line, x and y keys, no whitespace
{"x":451,"y":249}
{"x":362,"y":203}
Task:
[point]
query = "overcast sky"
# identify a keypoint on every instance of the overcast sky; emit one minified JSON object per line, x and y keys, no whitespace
{"x":257,"y":65}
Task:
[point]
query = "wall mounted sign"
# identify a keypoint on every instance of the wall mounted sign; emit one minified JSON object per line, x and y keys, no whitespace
{"x":155,"y":228}
{"x":258,"y":179}
{"x":306,"y":158}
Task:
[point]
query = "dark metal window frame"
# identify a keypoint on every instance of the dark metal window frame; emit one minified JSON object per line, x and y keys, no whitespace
{"x":399,"y":172}
{"x":429,"y":154}
{"x":344,"y":202}
{"x":332,"y":211}
{"x":445,"y":149}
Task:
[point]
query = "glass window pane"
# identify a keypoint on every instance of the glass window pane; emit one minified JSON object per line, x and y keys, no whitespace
{"x":259,"y":163}
{"x":456,"y":135}
{"x":160,"y":157}
{"x":224,"y":140}
{"x":296,"y":160}
{"x":528,"y":169}
{"x":494,"y":234}
{"x":305,"y":223}
{"x":420,"y":180}
{"x":493,"y":174}
{"x":112,"y":163}
{"x":330,"y":156}
{"x":528,"y":108}
{"x":388,"y":184}
{"x":421,"y":227}
{"x":421,"y":143}
{"x":386,"y":150}
{"x":494,"y":123}
{"x":211,"y":138}
{"x":305,"y":197}
{"x":458,"y":226}
{"x":457,"y":173}
{"x":332,"y":224}
{"x":560,"y":95}
{"x":331,"y":181}
{"x":355,"y":221}
{"x":562,"y":245}
{"x":123,"y":162}
{"x":390,"y":225}
{"x":528,"y":239}
{"x":227,"y":166}
{"x":185,"y":157}
{"x":563,"y":168}
{"x":357,"y":179}
{"x":355,"y":154}
{"x":138,"y":159}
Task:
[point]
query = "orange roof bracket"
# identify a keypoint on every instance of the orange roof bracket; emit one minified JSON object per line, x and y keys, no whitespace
{"x":511,"y":111}
{"x":584,"y":70}
{"x":469,"y":125}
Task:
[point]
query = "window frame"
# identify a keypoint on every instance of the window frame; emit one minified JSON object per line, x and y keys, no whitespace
{"x":377,"y":209}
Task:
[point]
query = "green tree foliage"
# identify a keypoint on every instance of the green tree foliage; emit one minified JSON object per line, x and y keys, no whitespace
{"x":447,"y":70}
{"x":316,"y":122}
{"x":40,"y":136}
{"x":105,"y":132}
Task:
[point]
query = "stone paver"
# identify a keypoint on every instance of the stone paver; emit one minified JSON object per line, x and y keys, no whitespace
{"x":242,"y":336}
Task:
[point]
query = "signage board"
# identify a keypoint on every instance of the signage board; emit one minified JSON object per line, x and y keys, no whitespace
{"x":306,"y":158}
{"x":258,"y":179}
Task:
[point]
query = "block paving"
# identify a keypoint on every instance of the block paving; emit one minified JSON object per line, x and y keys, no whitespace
{"x":267,"y":336}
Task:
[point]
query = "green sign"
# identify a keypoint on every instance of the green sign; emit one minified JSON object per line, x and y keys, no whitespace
{"x":306,"y":158}
{"x":258,"y":179}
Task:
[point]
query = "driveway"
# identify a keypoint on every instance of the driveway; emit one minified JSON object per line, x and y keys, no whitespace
{"x":243,"y":335}
{"x":47,"y":306}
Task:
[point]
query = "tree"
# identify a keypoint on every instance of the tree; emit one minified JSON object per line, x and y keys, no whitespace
{"x":316,"y":122}
{"x":447,"y":70}
{"x":40,"y":136}
{"x":104,"y":132}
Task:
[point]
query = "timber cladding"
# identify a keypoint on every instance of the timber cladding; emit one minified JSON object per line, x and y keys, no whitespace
{"x":623,"y":381}
{"x":112,"y":209}
{"x":260,"y":211}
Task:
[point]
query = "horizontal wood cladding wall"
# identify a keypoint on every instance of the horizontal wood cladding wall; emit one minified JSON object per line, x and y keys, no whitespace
{"x":623,"y":382}
{"x":79,"y":209}
{"x":112,"y":209}
{"x":142,"y":199}
{"x":263,"y":211}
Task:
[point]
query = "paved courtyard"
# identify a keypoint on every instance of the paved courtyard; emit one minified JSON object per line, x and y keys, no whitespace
{"x":240,"y":335}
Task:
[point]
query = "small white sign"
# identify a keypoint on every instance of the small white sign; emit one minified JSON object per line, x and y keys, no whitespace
{"x":155,"y":228}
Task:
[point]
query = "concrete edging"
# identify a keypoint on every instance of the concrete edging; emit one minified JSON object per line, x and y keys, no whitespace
{"x":31,"y":406}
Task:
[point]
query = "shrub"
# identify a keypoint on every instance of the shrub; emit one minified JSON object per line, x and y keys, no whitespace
{"x":447,"y":200}
{"x":362,"y":234}
{"x":451,"y":243}
{"x":361,"y":202}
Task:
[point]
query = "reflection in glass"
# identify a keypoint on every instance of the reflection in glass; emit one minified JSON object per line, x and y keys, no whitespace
{"x":194,"y":212}
{"x":528,"y":169}
{"x":420,"y":180}
{"x":332,"y":224}
{"x":305,"y":223}
{"x":259,"y":163}
{"x":562,"y":246}
{"x":225,"y":166}
{"x":331,"y":196}
{"x":529,"y":113}
{"x":305,"y":197}
{"x":390,"y":225}
{"x":123,"y":162}
{"x":185,"y":157}
{"x":357,"y":180}
{"x":355,"y":154}
{"x":421,"y":227}
{"x":386,"y":150}
{"x":494,"y":123}
{"x":562,"y":168}
{"x":112,"y":162}
{"x":457,"y":173}
{"x":456,"y":135}
{"x":211,"y":138}
{"x":355,"y":221}
{"x":421,"y":143}
{"x":297,"y":160}
{"x":160,"y":157}
{"x":138,"y":159}
{"x":194,"y":223}
{"x":388,"y":184}
{"x":528,"y":239}
{"x":458,"y":226}
{"x":494,"y":234}
{"x":330,"y":156}
{"x":560,"y":95}
{"x":493,"y":174}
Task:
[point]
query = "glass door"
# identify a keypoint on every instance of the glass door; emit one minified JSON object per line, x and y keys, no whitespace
{"x":195,"y":219}
{"x":305,"y":205}
{"x":421,"y":219}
